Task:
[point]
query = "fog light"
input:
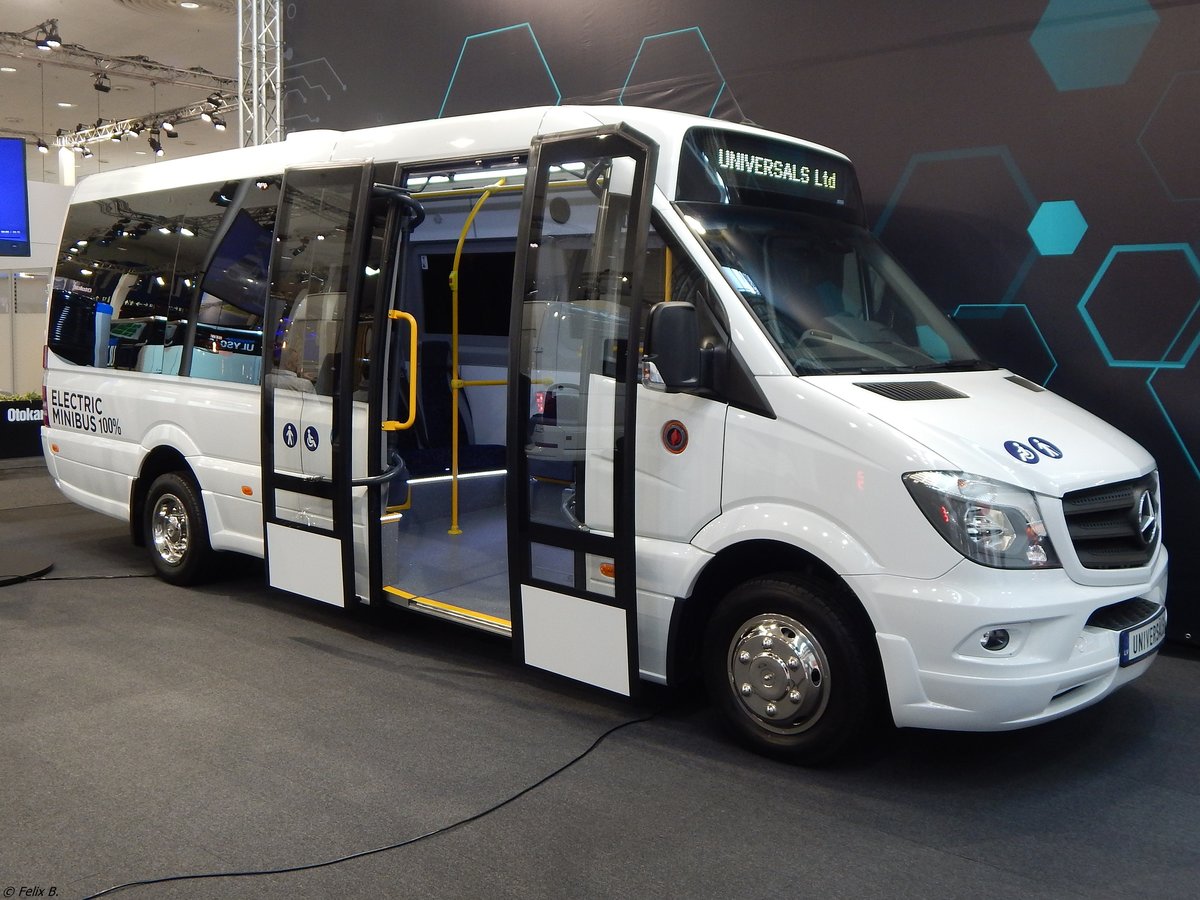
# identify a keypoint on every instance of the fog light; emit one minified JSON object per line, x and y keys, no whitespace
{"x":994,"y":640}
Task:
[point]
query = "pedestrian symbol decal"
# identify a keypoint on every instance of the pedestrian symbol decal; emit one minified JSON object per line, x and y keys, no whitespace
{"x":1044,"y":447}
{"x":289,"y":434}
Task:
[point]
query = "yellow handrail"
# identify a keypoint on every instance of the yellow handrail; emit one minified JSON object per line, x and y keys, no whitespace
{"x":392,"y":424}
{"x":456,"y":383}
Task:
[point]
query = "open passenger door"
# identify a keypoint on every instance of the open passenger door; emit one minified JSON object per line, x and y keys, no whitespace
{"x":577,"y":308}
{"x":308,"y":414}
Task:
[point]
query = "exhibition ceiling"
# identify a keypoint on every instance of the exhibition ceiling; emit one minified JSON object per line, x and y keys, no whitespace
{"x":156,"y":56}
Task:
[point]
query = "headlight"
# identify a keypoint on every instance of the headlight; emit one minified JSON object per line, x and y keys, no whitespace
{"x":992,"y":523}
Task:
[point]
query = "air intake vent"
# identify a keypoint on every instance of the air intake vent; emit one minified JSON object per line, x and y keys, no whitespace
{"x":1125,"y":614}
{"x":1114,"y":526}
{"x":1025,"y":383}
{"x":911,"y":390}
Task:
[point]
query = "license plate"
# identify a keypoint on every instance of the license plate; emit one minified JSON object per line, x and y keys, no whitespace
{"x":1143,"y":640}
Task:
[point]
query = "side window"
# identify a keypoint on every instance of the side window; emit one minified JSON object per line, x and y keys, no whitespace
{"x":671,"y":275}
{"x":114,"y":302}
{"x":131,"y":269}
{"x":233,"y":285}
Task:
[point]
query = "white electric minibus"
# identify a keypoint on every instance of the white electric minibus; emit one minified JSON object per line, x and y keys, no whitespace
{"x":636,"y":389}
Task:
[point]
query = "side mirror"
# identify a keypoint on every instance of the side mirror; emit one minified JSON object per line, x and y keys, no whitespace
{"x":672,"y":360}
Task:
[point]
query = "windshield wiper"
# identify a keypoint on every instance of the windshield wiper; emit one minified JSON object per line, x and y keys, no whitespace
{"x":957,"y":365}
{"x":952,"y":365}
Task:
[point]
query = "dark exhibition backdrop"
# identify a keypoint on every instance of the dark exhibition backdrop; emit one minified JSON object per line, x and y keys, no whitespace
{"x":1033,"y":163}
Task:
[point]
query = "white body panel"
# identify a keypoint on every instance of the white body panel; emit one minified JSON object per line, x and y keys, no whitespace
{"x":827,"y":480}
{"x":823,"y":476}
{"x":578,"y":638}
{"x":306,"y":563}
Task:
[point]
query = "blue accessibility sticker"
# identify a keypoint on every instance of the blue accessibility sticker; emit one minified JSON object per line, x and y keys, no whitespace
{"x":310,"y":438}
{"x":1022,"y":452}
{"x":1044,"y":447}
{"x":289,"y":434}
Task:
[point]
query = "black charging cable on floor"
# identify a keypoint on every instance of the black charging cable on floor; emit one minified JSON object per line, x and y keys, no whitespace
{"x":396,"y":846}
{"x":9,"y":580}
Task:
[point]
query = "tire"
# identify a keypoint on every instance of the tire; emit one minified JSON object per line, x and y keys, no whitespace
{"x":176,"y":530}
{"x":786,"y":663}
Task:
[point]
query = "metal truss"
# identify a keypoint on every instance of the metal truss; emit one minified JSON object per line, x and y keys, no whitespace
{"x":131,"y":127}
{"x":260,"y":71}
{"x":73,"y":56}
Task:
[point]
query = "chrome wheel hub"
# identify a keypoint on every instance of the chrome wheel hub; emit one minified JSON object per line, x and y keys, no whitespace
{"x":779,"y":673}
{"x":170,"y":529}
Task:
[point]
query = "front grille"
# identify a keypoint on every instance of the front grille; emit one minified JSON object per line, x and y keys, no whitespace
{"x":1125,"y":614}
{"x":911,"y":390}
{"x":1114,"y":526}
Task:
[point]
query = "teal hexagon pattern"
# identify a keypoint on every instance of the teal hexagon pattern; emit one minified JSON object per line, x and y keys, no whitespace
{"x":1129,"y":276}
{"x":1057,"y":228}
{"x":500,"y":69}
{"x":675,"y":70}
{"x":1092,"y":43}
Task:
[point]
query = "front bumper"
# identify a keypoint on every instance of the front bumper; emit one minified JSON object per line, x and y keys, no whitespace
{"x":938,"y":675}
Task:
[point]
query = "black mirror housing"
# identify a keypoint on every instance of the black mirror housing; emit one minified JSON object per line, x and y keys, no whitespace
{"x":672,"y":347}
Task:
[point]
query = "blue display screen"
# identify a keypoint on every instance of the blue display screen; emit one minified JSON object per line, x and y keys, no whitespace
{"x":14,"y":199}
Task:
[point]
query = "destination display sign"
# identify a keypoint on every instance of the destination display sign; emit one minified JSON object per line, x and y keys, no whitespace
{"x":718,"y":166}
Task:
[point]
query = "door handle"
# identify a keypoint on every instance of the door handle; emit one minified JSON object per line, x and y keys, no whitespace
{"x":392,"y":424}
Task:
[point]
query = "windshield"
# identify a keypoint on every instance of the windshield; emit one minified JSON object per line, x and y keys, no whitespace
{"x":829,"y":296}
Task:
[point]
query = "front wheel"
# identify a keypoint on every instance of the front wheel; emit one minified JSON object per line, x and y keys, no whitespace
{"x":785,"y":662}
{"x":176,"y":530}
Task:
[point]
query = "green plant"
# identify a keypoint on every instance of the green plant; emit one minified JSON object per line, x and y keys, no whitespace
{"x":28,"y":396}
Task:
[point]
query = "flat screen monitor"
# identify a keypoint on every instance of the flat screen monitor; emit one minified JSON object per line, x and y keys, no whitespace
{"x":14,"y":199}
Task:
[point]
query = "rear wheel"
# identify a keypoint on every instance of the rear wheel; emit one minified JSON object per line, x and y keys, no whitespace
{"x":785,"y":662}
{"x":176,"y":530}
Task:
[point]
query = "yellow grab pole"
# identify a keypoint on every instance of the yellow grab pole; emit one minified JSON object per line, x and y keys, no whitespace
{"x":456,"y":383}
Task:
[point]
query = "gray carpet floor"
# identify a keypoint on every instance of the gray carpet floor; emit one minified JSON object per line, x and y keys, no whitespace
{"x":150,"y":731}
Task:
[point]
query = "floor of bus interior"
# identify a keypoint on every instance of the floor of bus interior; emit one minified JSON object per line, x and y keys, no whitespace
{"x":151,"y":731}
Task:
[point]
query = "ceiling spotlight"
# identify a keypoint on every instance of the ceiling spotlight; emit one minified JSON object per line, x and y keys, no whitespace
{"x":103,"y":85}
{"x":172,"y":133}
{"x":189,"y":4}
{"x":218,"y":123}
{"x":42,"y":147}
{"x":47,"y":35}
{"x":215,"y":99}
{"x":156,"y":146}
{"x":87,"y":153}
{"x":207,"y":115}
{"x":167,"y":126}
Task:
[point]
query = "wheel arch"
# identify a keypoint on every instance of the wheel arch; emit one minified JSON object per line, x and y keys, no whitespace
{"x":738,"y":563}
{"x":158,"y":461}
